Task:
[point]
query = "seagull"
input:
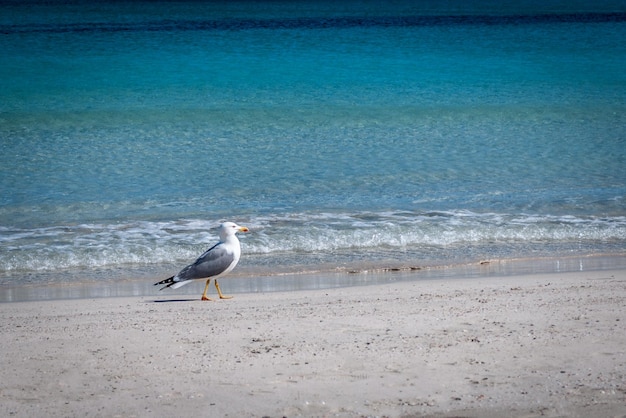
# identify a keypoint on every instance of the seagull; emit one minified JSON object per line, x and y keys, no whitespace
{"x":215,"y":262}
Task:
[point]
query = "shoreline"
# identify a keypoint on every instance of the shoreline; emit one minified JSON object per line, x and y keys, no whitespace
{"x":530,"y":345}
{"x":247,"y":279}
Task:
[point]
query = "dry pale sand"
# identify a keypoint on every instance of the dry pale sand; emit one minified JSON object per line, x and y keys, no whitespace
{"x":547,"y":345}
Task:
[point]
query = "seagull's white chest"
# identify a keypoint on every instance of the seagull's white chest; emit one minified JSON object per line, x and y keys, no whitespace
{"x":232,"y":246}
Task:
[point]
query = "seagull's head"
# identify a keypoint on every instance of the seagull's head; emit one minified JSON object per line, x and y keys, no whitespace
{"x":230,"y":228}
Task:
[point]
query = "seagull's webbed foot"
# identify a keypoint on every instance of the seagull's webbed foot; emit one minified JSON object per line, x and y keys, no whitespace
{"x":206,"y":287}
{"x":219,"y":292}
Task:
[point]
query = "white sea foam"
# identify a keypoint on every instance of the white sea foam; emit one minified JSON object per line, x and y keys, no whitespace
{"x":298,"y":235}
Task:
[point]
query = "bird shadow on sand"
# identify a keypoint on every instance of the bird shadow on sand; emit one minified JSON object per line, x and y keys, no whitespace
{"x":174,"y":300}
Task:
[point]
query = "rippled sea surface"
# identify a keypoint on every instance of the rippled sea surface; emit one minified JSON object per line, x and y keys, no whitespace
{"x":342,"y":133}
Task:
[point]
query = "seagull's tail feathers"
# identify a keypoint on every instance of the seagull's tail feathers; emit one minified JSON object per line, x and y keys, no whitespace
{"x":172,"y":282}
{"x":167,"y":282}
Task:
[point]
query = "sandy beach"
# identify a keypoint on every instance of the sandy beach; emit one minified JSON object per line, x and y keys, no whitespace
{"x":534,"y":345}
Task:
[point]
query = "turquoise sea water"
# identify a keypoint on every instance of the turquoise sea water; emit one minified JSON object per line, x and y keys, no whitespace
{"x":409,"y":133}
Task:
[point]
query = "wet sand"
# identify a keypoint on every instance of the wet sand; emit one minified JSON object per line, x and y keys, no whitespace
{"x":530,"y":345}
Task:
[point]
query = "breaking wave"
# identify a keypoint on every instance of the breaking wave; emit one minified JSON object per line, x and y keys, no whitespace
{"x":299,"y":235}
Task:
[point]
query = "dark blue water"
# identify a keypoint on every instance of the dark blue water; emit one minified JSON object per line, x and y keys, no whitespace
{"x":341,"y":133}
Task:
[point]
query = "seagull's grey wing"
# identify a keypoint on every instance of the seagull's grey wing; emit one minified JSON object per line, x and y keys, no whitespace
{"x":213,"y":262}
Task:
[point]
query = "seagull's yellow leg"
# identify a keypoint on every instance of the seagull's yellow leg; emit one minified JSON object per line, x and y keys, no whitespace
{"x":219,"y":292}
{"x":206,"y":287}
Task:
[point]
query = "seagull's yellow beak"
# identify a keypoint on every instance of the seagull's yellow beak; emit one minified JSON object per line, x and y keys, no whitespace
{"x":243,"y":229}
